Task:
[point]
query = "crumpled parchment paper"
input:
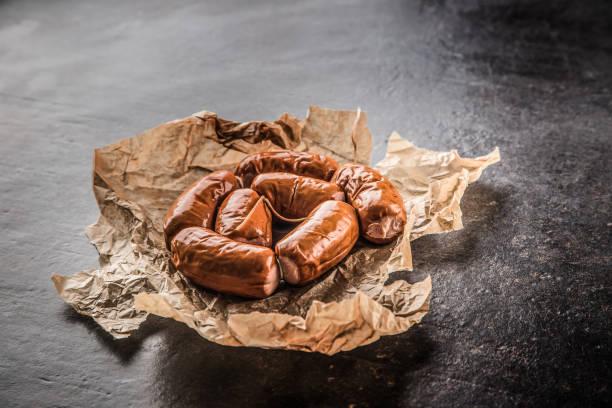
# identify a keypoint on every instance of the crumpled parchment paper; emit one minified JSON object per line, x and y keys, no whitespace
{"x":136,"y":180}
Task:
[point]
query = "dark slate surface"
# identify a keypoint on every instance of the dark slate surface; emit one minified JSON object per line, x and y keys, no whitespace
{"x":521,"y":297}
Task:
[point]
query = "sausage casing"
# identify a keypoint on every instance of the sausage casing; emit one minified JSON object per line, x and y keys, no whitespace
{"x":381,"y":211}
{"x":300,"y":163}
{"x":195,"y":207}
{"x":222,"y":264}
{"x":319,"y":243}
{"x":294,"y":197}
{"x":244,"y":217}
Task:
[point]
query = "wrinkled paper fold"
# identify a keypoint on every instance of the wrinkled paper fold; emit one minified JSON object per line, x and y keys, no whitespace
{"x":136,"y":180}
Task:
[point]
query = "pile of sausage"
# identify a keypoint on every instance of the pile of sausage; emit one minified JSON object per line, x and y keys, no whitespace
{"x":219,"y":229}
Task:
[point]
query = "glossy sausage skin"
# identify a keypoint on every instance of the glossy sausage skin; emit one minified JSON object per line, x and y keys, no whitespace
{"x":300,"y":163}
{"x":379,"y":205}
{"x":244,"y":217}
{"x":195,"y":207}
{"x":319,"y":243}
{"x":222,"y":264}
{"x":294,"y":197}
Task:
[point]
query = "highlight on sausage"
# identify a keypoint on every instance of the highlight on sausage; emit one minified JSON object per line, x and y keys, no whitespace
{"x":222,"y":264}
{"x":300,"y":163}
{"x":195,"y":207}
{"x":293,"y":197}
{"x":244,"y":217}
{"x":319,"y":243}
{"x":379,"y":205}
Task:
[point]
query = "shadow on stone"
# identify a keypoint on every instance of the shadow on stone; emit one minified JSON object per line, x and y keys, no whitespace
{"x":484,"y":210}
{"x":192,"y":371}
{"x":124,"y":349}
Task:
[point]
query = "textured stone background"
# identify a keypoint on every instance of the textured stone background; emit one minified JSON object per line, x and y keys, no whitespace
{"x":520,"y":313}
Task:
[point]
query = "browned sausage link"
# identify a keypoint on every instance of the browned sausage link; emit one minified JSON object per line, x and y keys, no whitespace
{"x":379,"y":205}
{"x":219,"y":263}
{"x":195,"y":207}
{"x":319,"y":243}
{"x":294,"y":197}
{"x":300,"y":163}
{"x":244,"y":217}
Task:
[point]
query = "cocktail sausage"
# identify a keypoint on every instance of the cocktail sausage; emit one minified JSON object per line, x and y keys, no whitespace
{"x":300,"y":163}
{"x":319,"y":243}
{"x":195,"y":207}
{"x":244,"y":217}
{"x":222,"y":264}
{"x":379,"y":205}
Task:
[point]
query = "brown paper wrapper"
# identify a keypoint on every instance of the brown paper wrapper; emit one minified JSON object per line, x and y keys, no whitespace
{"x":136,"y":180}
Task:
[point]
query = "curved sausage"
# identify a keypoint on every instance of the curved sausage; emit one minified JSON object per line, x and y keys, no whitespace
{"x":379,"y":205}
{"x":219,"y":263}
{"x":300,"y":163}
{"x":195,"y":207}
{"x":294,"y":197}
{"x":319,"y":243}
{"x":244,"y":217}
